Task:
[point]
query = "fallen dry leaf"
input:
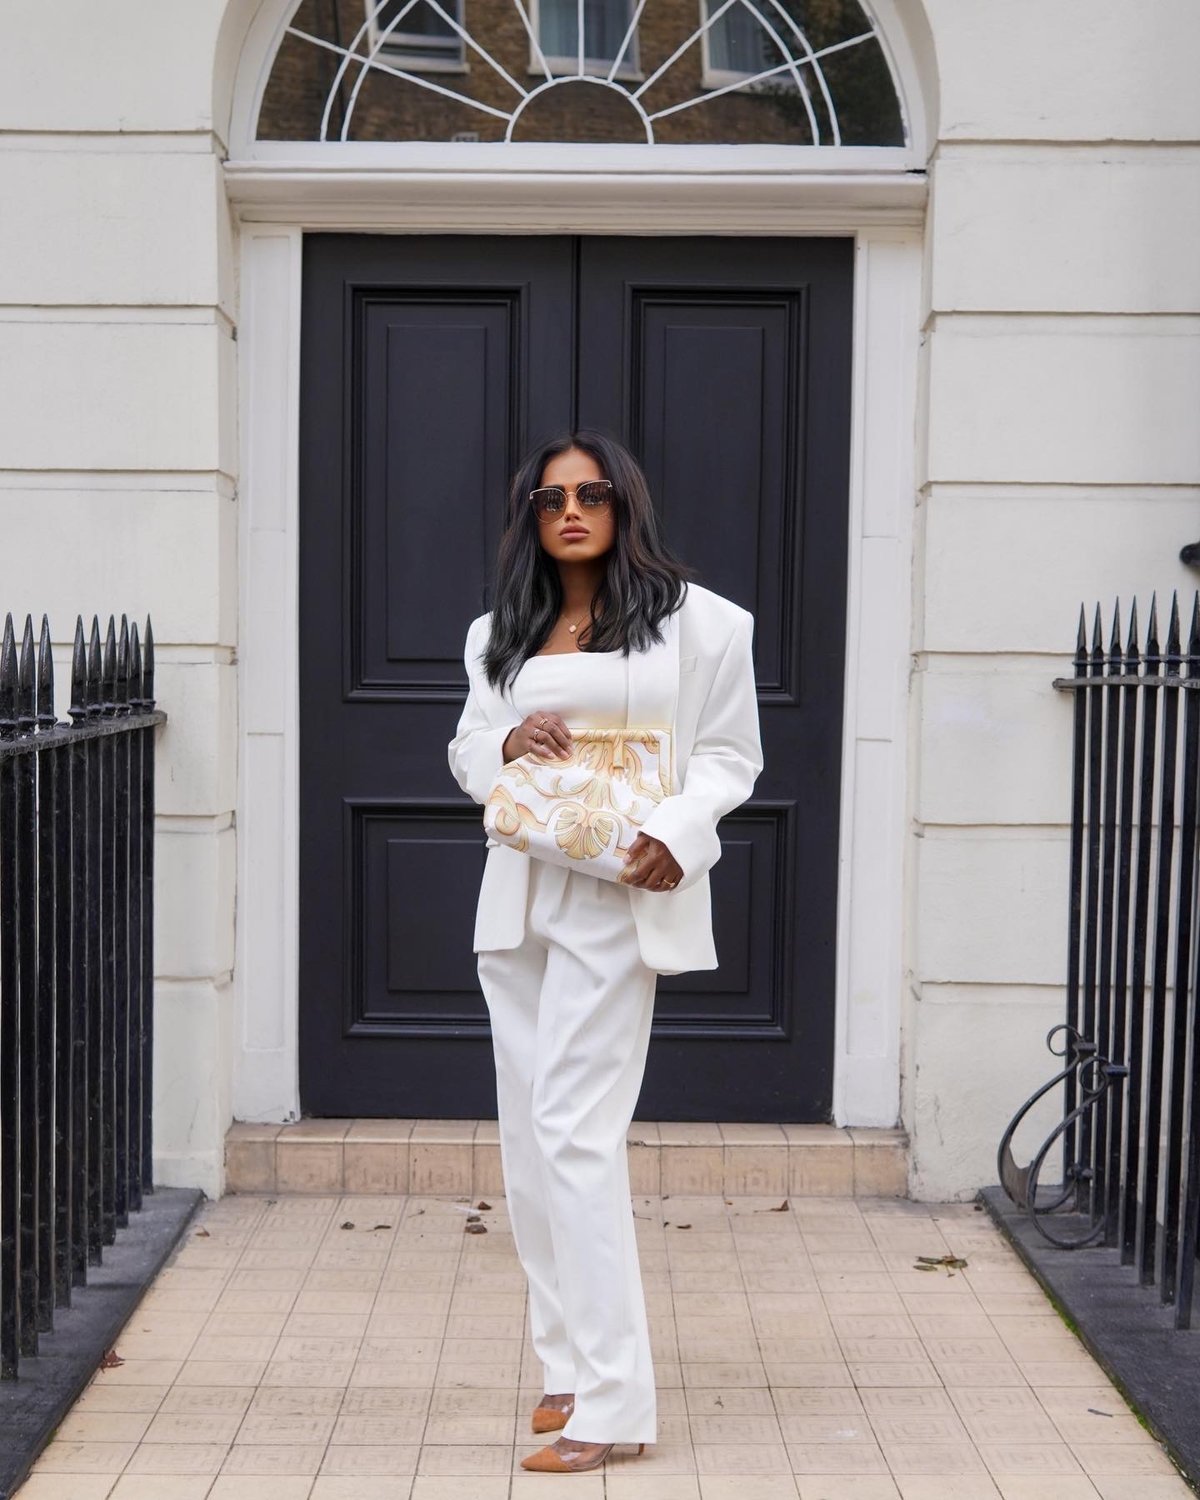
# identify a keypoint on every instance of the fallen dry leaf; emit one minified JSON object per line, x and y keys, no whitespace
{"x":950,"y":1263}
{"x":110,"y":1360}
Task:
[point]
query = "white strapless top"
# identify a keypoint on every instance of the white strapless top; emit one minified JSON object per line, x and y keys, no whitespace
{"x":590,"y":689}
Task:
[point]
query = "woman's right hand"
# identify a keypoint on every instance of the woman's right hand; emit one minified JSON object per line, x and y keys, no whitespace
{"x":539,"y":733}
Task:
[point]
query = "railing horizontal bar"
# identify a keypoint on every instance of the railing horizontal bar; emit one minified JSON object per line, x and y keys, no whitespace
{"x":71,"y":734}
{"x":1128,"y":679}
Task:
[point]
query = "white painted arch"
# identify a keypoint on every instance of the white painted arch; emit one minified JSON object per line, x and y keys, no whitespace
{"x":279,"y":190}
{"x":251,"y":34}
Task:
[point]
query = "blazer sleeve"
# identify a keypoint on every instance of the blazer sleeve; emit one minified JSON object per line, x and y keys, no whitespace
{"x":476,"y":752}
{"x":723,"y":766}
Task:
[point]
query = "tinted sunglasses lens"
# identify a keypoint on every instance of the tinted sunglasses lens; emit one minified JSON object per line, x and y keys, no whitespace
{"x":548,"y":502}
{"x":551,"y":501}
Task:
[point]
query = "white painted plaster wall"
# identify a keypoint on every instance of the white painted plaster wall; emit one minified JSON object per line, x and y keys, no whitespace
{"x":117,"y":453}
{"x":1060,"y":462}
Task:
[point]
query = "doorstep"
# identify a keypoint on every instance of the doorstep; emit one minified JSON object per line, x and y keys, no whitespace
{"x":463,"y":1156}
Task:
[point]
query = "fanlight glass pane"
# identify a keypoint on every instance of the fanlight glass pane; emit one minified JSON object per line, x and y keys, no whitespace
{"x":737,"y":42}
{"x":779,"y":72}
{"x":604,"y":26}
{"x":419,"y":20}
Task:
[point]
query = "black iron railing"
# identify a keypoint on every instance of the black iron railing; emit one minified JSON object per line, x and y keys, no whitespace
{"x":1130,"y":1080}
{"x":76,"y":967}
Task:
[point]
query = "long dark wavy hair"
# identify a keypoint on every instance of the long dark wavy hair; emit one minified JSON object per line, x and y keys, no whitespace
{"x":642,"y":586}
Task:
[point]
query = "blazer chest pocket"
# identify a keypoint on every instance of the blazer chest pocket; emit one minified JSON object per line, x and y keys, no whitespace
{"x":687,"y":663}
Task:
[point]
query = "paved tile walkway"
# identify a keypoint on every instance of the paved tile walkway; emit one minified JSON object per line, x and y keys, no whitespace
{"x":375,"y":1348}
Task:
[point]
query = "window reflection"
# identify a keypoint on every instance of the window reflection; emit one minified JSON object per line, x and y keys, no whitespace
{"x":605,"y":23}
{"x":417,"y":35}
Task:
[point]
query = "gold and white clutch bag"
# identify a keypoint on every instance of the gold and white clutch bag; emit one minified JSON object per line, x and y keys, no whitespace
{"x":583,"y":812}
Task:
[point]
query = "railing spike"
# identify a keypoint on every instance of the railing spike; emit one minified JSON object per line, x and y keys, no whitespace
{"x":1152,"y":652}
{"x":1172,"y":651}
{"x":108,"y":705}
{"x":45,"y":678}
{"x":1081,"y":637}
{"x":1114,"y":644}
{"x":93,"y":677}
{"x":26,"y":684}
{"x":1131,"y":648}
{"x":8,"y":681}
{"x":135,"y":669}
{"x":79,"y":672}
{"x":1193,"y":646}
{"x":148,"y":666}
{"x":1097,"y":636}
{"x":121,"y":693}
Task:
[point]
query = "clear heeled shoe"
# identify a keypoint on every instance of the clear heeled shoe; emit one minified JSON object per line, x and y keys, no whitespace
{"x":552,"y":1460}
{"x":551,"y":1418}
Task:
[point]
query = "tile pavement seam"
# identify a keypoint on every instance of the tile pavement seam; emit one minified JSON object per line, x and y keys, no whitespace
{"x":291,"y":1308}
{"x":228,"y":1273}
{"x":358,"y":1354}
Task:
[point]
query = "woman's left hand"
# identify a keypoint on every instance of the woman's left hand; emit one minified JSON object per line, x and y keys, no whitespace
{"x":656,"y":867}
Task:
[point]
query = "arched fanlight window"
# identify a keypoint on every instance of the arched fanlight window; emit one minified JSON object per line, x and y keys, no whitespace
{"x":737,"y":72}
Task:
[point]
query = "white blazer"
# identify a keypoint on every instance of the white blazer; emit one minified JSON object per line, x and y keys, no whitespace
{"x":700,"y":680}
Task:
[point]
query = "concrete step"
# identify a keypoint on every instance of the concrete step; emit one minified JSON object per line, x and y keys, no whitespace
{"x":463,"y":1156}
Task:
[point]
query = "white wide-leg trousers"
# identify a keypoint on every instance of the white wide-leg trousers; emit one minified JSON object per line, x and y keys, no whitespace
{"x":570,"y":1012}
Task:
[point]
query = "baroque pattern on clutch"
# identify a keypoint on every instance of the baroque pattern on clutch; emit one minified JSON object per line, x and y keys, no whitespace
{"x":586,"y":811}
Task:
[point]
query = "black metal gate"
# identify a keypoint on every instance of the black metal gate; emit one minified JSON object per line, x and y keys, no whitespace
{"x":1130,"y":1132}
{"x":76,"y":964}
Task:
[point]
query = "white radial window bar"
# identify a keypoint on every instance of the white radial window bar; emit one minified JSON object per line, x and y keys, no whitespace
{"x":805,"y":72}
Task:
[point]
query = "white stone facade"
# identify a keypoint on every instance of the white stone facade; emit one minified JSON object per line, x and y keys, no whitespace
{"x":1026,"y":437}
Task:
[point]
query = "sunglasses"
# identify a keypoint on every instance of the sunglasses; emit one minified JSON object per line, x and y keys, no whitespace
{"x":594,"y":495}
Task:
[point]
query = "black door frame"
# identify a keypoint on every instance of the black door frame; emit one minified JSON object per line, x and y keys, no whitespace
{"x":823,"y":1024}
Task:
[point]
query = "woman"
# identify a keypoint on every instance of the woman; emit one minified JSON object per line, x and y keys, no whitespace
{"x":594,"y":625}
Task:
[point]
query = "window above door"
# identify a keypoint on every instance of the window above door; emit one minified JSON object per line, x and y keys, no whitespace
{"x":778,"y":73}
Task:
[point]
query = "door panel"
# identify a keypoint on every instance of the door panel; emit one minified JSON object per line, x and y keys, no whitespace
{"x":428,"y":365}
{"x":725,"y":363}
{"x":423,"y":362}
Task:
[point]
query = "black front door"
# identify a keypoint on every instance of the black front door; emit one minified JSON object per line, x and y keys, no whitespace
{"x":428,"y":365}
